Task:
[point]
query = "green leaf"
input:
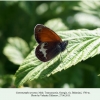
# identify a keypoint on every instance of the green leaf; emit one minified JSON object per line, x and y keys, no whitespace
{"x":56,"y":24}
{"x":16,"y":50}
{"x":83,"y":44}
{"x":92,"y":7}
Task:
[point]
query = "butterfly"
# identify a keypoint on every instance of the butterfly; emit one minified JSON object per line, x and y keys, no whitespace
{"x":50,"y":44}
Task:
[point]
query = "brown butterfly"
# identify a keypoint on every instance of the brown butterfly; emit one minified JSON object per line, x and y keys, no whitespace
{"x":50,"y":44}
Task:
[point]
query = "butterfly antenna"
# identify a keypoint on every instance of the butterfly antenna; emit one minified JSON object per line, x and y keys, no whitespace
{"x":60,"y":57}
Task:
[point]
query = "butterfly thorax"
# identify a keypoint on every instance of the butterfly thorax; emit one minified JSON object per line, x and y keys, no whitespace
{"x":63,"y":45}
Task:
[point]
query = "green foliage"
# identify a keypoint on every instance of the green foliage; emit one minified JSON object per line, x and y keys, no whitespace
{"x":7,"y":81}
{"x":75,"y":21}
{"x":14,"y":50}
{"x":92,"y":7}
{"x":56,"y":24}
{"x":82,"y":45}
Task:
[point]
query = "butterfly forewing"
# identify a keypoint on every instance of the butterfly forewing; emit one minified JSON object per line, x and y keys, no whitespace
{"x":44,"y":34}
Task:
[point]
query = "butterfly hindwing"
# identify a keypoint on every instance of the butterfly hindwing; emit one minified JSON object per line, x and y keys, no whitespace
{"x":47,"y":51}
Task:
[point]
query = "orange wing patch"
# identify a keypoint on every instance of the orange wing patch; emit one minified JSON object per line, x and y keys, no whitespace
{"x":44,"y":34}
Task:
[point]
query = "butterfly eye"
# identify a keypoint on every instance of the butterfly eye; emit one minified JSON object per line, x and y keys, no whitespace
{"x":40,"y":29}
{"x":45,"y":44}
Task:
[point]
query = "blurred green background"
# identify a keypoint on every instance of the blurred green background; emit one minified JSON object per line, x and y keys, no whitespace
{"x":17,"y":21}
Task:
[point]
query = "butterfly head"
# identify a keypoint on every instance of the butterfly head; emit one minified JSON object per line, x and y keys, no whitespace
{"x":63,"y":45}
